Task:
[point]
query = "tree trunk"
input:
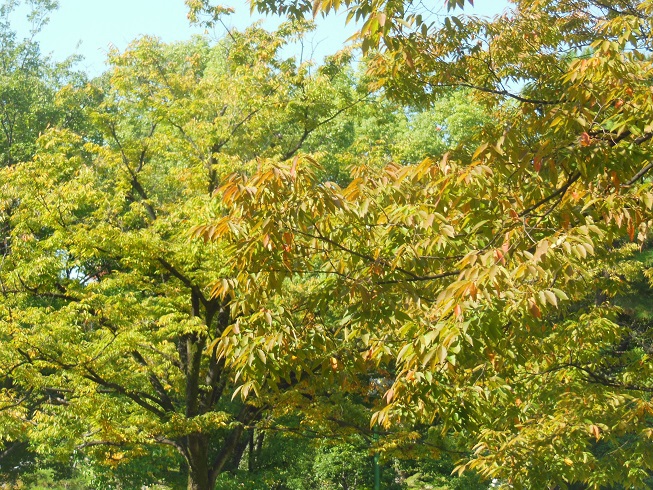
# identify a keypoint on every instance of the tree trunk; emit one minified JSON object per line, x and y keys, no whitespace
{"x":198,"y":463}
{"x":239,"y":450}
{"x":250,"y":457}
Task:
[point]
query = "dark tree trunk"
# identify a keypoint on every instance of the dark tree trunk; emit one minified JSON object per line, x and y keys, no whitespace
{"x":198,"y":463}
{"x":251,"y":465}
{"x":239,"y":450}
{"x":259,"y":447}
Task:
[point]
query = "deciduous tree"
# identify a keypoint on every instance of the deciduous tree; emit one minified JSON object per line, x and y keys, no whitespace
{"x":484,"y":286}
{"x":107,"y":315}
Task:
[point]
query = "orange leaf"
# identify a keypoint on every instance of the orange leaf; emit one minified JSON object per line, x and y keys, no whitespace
{"x":506,"y":244}
{"x":457,"y":311}
{"x":595,"y":431}
{"x":409,"y":60}
{"x":535,"y":310}
{"x":615,"y":179}
{"x":334,"y":363}
{"x":389,"y":395}
{"x":537,"y":164}
{"x":473,"y":291}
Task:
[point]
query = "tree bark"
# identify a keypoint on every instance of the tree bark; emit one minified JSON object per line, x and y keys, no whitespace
{"x":239,"y":450}
{"x":198,"y":462}
{"x":250,"y":457}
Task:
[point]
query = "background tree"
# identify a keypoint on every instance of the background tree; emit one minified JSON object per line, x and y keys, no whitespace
{"x":107,"y":312}
{"x":35,"y":93}
{"x":29,"y":83}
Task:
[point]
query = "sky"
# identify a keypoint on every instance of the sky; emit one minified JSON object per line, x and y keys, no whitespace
{"x":90,"y":27}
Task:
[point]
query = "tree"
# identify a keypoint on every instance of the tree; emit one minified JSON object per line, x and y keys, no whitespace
{"x":34,"y":94}
{"x":107,"y":316}
{"x":29,"y":83}
{"x":484,"y":286}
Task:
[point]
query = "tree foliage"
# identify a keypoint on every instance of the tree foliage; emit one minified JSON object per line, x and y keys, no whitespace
{"x":107,"y":317}
{"x":485,"y":286}
{"x":454,"y":246}
{"x":29,"y":85}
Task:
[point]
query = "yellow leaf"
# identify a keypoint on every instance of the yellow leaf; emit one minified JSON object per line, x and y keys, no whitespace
{"x":595,"y":431}
{"x":551,"y":297}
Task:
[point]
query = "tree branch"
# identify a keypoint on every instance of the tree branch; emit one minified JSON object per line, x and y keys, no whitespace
{"x":307,"y":132}
{"x":570,"y":181}
{"x":155,"y":382}
{"x":136,"y":185}
{"x":184,"y":280}
{"x":605,"y":381}
{"x":640,"y":174}
{"x":412,"y":277}
{"x":17,"y":403}
{"x":136,"y":397}
{"x":505,"y":93}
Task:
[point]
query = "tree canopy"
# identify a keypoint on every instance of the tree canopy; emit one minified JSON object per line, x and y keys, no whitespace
{"x":487,"y":285}
{"x":111,"y":344}
{"x":219,"y":259}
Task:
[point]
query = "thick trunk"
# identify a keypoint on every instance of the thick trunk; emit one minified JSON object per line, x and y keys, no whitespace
{"x":259,"y":447}
{"x":250,"y":457}
{"x":239,"y":450}
{"x":198,"y":481}
{"x":198,"y":463}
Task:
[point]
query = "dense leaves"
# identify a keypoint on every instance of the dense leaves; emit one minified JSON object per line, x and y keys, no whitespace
{"x":446,"y":257}
{"x":107,"y":316}
{"x":485,"y":285}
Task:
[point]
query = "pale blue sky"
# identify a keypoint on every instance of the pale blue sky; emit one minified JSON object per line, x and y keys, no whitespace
{"x":90,"y":27}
